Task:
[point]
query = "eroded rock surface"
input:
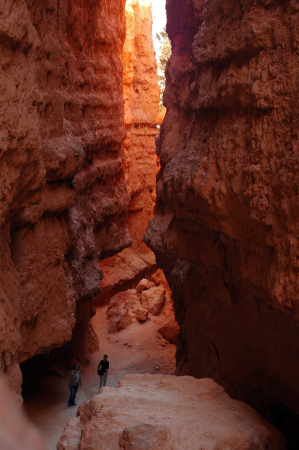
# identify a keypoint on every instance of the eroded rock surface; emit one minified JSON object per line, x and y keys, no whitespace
{"x":124,"y":271}
{"x":226,"y":227}
{"x":144,"y":284}
{"x":149,"y":301}
{"x":141,"y":92}
{"x":168,"y":413}
{"x":125,"y":308}
{"x":16,"y":432}
{"x":153,"y":299}
{"x":170,"y":329}
{"x":63,"y":198}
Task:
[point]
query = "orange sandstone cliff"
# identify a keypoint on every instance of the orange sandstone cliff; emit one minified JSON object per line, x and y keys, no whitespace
{"x":141,"y":93}
{"x":226,"y":227}
{"x":63,"y":197}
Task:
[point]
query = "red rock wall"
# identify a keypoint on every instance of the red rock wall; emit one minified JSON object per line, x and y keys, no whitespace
{"x":226,"y":227}
{"x":63,"y":198}
{"x":141,"y":92}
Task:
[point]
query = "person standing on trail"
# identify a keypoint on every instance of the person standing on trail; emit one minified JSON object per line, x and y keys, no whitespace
{"x":74,"y":381}
{"x":103,"y":370}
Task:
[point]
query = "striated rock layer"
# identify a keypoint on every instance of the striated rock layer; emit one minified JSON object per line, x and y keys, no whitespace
{"x":226,"y":228}
{"x":141,"y":93}
{"x":165,"y":412}
{"x":63,"y":198}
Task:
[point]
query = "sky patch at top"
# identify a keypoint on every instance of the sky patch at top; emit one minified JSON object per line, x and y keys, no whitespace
{"x":159,"y":21}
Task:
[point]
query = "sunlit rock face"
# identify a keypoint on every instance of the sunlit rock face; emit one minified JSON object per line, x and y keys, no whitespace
{"x":141,"y":92}
{"x":63,"y":197}
{"x":164,"y":412}
{"x":226,"y":227}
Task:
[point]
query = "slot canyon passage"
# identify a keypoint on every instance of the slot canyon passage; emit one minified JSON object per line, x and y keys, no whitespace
{"x":95,"y":210}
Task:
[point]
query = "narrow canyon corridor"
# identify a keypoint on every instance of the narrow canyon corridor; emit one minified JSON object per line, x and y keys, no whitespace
{"x":137,"y":349}
{"x":100,"y":188}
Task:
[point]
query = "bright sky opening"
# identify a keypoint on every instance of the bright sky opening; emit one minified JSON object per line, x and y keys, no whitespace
{"x":159,"y":21}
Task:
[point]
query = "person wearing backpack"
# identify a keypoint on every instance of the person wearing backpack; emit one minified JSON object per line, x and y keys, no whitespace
{"x":103,"y":370}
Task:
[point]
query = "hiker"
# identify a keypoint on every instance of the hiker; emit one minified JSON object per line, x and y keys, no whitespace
{"x":74,"y":381}
{"x":103,"y":370}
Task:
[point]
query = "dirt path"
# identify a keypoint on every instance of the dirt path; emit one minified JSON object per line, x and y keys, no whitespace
{"x":137,"y":349}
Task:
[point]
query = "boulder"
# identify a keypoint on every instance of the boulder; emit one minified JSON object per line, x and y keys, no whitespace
{"x":124,"y":309}
{"x":159,"y":279}
{"x":141,"y":314}
{"x":146,"y":436}
{"x":153,"y":299}
{"x":170,"y":330}
{"x":144,"y":284}
{"x":72,"y":439}
{"x":120,"y":321}
{"x":120,"y":269}
{"x":165,"y":412}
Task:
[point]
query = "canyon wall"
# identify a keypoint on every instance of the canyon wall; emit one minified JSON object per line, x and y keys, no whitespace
{"x":226,"y":225}
{"x":141,"y":93}
{"x":63,"y":194}
{"x":16,"y":431}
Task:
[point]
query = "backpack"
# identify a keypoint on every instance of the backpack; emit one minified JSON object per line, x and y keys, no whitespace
{"x":100,"y":371}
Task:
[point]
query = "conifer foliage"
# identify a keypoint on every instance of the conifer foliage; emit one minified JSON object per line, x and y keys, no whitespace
{"x":165,"y":52}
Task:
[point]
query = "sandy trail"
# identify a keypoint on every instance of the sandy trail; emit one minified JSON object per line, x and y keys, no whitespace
{"x":137,"y":349}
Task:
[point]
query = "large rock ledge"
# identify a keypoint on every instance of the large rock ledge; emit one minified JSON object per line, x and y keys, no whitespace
{"x":167,"y":413}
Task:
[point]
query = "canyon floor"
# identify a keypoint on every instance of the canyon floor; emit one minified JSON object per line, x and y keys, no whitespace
{"x":137,"y":349}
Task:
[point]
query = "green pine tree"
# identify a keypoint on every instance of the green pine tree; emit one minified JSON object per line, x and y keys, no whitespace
{"x":165,"y":52}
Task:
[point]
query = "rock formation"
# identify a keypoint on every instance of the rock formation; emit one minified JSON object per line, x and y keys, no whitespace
{"x":125,"y":308}
{"x":144,"y":284}
{"x":167,"y":413}
{"x":226,"y":225}
{"x":141,"y":92}
{"x":149,"y":301}
{"x":153,"y":300}
{"x":63,"y":197}
{"x":16,"y":432}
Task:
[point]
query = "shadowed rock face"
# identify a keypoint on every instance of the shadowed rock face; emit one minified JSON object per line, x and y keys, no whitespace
{"x":226,"y":227}
{"x":63,"y":199}
{"x":16,"y":431}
